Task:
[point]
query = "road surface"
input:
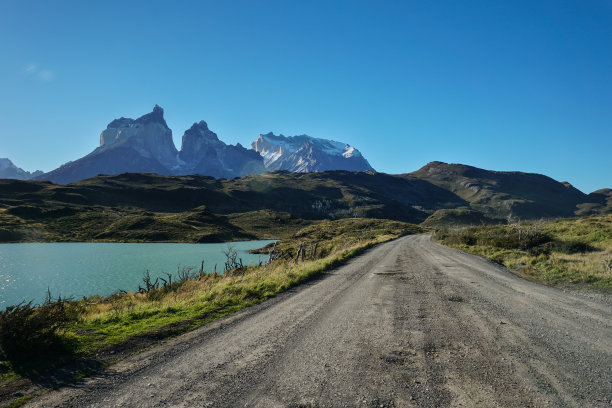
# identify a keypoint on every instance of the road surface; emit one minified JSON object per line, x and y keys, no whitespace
{"x":408,"y":323}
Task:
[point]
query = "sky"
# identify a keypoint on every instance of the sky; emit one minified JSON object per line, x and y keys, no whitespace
{"x":501,"y":85}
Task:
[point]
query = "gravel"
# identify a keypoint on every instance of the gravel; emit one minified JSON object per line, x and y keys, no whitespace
{"x":408,"y":323}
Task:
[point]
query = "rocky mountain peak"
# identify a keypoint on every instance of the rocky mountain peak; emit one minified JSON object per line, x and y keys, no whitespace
{"x":203,"y":153}
{"x":156,"y":116}
{"x":196,"y":139}
{"x":145,"y":144}
{"x":120,"y":123}
{"x":305,"y":153}
{"x":10,"y":171}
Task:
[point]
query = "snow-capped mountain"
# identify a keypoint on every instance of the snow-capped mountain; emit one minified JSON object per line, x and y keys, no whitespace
{"x":145,"y":145}
{"x":9,"y":171}
{"x":305,"y":154}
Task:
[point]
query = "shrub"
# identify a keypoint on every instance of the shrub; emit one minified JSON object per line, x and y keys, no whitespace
{"x":505,"y":237}
{"x":30,"y":332}
{"x":573,"y":247}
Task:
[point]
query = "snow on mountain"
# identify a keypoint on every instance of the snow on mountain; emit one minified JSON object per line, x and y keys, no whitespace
{"x":9,"y":171}
{"x":145,"y":145}
{"x":305,"y":153}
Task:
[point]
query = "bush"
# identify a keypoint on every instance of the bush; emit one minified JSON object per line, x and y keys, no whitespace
{"x":544,"y":249}
{"x":505,"y":237}
{"x":573,"y":247}
{"x":29,"y":332}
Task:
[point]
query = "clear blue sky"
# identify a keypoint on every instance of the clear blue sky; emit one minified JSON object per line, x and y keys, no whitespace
{"x":502,"y":85}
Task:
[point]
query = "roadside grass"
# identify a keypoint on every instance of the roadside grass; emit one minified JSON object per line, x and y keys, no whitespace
{"x":573,"y":252}
{"x":105,"y":323}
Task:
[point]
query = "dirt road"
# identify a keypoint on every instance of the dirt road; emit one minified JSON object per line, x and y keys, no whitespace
{"x":409,"y":323}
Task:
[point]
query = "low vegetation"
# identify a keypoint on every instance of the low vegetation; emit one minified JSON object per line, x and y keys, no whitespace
{"x":25,"y":223}
{"x":563,"y":252}
{"x":34,"y":338}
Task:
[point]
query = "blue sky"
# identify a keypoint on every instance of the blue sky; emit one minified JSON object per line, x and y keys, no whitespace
{"x":502,"y":85}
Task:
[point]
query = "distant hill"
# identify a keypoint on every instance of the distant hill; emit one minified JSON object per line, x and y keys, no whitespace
{"x":459,"y":217}
{"x":598,"y":202}
{"x":9,"y":171}
{"x":194,"y":208}
{"x":505,"y":193}
{"x":322,"y":195}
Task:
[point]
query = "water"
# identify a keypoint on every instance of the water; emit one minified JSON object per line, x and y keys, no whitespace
{"x":84,"y":269}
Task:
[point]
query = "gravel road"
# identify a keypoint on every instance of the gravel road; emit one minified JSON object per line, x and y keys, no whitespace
{"x":408,"y":323}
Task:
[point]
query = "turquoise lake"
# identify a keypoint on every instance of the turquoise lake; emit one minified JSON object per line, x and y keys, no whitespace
{"x":84,"y":269}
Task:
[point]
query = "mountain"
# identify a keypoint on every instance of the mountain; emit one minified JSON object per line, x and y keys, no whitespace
{"x":203,"y":153}
{"x":9,"y":171}
{"x":506,"y":194}
{"x":598,"y":202}
{"x":126,"y":145}
{"x":148,"y":135}
{"x":145,"y":145}
{"x":304,"y":154}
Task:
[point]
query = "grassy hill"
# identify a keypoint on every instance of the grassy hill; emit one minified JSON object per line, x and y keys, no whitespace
{"x":152,"y":208}
{"x":454,"y":217}
{"x":599,"y":202}
{"x":149,"y":207}
{"x":505,"y":194}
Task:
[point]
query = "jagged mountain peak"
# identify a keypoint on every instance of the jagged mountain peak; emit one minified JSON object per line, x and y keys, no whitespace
{"x":203,"y":153}
{"x":305,"y":153}
{"x":10,"y":171}
{"x":120,"y":123}
{"x":145,"y":145}
{"x":198,"y":141}
{"x":156,"y":116}
{"x":122,"y":129}
{"x":149,"y":135}
{"x":199,"y":131}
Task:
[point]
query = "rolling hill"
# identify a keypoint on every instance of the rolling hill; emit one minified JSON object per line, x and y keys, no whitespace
{"x":194,"y":208}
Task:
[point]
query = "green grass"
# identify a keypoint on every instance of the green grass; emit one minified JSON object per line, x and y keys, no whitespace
{"x":106,"y":323}
{"x":573,"y":252}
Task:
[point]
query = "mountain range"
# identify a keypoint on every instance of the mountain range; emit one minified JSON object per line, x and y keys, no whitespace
{"x":145,"y":145}
{"x":303,"y":154}
{"x":9,"y":171}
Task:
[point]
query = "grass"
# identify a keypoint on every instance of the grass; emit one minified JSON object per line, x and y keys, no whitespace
{"x":104,"y":323}
{"x":573,"y":252}
{"x":152,"y":208}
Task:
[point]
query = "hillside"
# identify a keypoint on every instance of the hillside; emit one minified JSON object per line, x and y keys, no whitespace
{"x":150,"y":207}
{"x":599,"y":202}
{"x":505,"y":194}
